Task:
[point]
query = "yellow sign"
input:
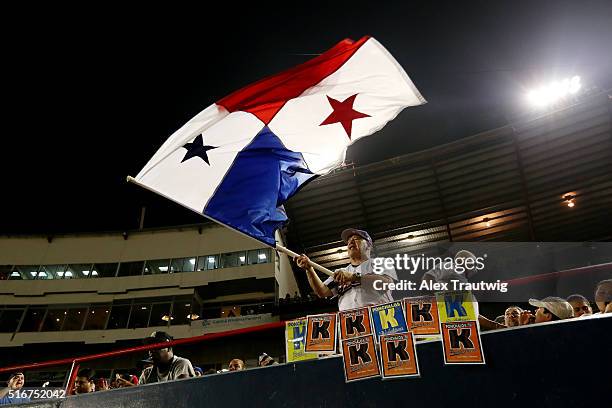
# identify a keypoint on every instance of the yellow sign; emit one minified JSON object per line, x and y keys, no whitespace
{"x":295,"y":335}
{"x":458,"y":306}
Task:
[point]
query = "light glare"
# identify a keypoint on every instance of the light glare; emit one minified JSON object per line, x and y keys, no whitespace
{"x":557,"y":90}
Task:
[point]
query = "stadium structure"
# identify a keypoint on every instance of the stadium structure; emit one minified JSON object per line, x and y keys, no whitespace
{"x":544,"y":178}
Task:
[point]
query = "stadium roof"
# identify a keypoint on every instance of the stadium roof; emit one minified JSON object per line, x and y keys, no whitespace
{"x":508,"y":184}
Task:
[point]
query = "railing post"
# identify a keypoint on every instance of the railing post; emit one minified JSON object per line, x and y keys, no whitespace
{"x":74,"y":370}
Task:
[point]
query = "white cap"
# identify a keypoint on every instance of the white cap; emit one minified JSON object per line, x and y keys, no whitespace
{"x":555,"y":305}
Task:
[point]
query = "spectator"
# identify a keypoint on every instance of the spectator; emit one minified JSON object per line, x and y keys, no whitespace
{"x":166,"y":366}
{"x":15,"y":383}
{"x":198,"y":371}
{"x":549,"y":309}
{"x":265,"y":360}
{"x":445,"y":273}
{"x":581,"y":305}
{"x":603,"y":296}
{"x":84,"y":382}
{"x":512,"y":316}
{"x":354,"y":285}
{"x":236,"y":365}
{"x":102,"y":384}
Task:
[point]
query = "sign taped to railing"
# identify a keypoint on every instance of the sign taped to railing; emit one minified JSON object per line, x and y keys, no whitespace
{"x":321,"y":332}
{"x":461,"y":343}
{"x":456,"y":306}
{"x":295,"y":341}
{"x":422,"y":315}
{"x":359,"y":358}
{"x":354,"y":323}
{"x":388,"y":318}
{"x":398,"y":358}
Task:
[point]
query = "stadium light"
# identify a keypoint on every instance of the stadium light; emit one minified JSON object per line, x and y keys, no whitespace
{"x":569,"y":200}
{"x":554,"y":92}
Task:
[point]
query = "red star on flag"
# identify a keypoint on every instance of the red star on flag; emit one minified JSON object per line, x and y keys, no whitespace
{"x":343,"y":113}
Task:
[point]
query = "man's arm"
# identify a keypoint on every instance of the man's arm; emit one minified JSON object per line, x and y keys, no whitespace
{"x":488,"y":324}
{"x":369,"y":279}
{"x":11,"y":386}
{"x":313,"y":279}
{"x":183,"y":369}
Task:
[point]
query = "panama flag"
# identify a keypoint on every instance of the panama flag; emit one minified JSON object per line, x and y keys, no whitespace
{"x":240,"y":159}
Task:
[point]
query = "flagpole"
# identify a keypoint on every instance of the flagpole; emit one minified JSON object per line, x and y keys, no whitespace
{"x":316,"y":266}
{"x":280,"y":248}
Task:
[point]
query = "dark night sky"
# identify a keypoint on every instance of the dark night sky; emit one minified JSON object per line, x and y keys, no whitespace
{"x":89,"y":99}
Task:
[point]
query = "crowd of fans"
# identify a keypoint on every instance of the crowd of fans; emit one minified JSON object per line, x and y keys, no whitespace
{"x":554,"y":308}
{"x":163,"y":365}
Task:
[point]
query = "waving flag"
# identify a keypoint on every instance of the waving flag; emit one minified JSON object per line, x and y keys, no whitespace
{"x":241,"y":158}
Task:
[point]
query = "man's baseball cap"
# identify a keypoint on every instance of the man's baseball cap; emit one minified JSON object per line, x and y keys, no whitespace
{"x":158,"y":337}
{"x":262,"y":357}
{"x":555,"y":305}
{"x":349,"y":232}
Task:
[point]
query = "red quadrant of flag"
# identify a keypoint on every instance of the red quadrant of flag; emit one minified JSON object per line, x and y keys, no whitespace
{"x":266,"y":97}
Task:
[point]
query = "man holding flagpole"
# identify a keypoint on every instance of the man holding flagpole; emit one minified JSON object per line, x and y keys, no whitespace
{"x":353,"y":285}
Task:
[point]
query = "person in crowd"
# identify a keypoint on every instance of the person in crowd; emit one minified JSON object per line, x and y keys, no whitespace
{"x":353,"y":285}
{"x":85,"y":382}
{"x":444,"y":274}
{"x":198,"y":371}
{"x":581,"y":305}
{"x":166,"y":365}
{"x":512,"y":316}
{"x":102,"y":384}
{"x":265,"y":360}
{"x":550,"y":309}
{"x":14,"y":384}
{"x":236,"y":365}
{"x":124,"y":380}
{"x":603,"y":296}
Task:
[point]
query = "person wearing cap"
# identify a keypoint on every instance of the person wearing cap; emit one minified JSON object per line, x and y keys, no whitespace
{"x":353,"y":285}
{"x":265,"y":360}
{"x":166,"y":365}
{"x":15,"y":383}
{"x":444,"y":273}
{"x":550,"y":309}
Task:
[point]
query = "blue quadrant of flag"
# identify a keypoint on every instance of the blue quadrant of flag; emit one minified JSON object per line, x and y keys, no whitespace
{"x":260,"y":180}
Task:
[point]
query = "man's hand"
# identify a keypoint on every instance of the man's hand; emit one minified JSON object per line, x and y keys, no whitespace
{"x":344,"y":277}
{"x":526,"y":318}
{"x":122,"y":382}
{"x":102,"y":385}
{"x":303,"y":262}
{"x":12,"y":384}
{"x":608,"y":308}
